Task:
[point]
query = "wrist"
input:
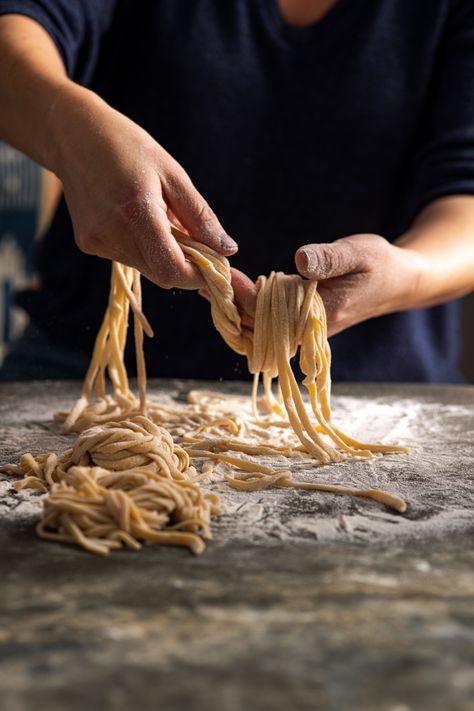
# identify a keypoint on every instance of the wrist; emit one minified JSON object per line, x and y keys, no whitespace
{"x":420,"y":276}
{"x":72,"y":110}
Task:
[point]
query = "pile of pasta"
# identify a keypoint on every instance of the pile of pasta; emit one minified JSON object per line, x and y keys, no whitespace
{"x":136,"y":470}
{"x":121,"y":483}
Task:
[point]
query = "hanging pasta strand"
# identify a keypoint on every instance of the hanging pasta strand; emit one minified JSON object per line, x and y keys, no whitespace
{"x":95,"y":405}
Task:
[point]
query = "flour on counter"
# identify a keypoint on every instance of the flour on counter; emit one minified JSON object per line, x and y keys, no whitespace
{"x":436,"y":478}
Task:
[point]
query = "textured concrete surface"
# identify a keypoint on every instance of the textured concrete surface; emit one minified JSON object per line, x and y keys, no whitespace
{"x":351,"y":607}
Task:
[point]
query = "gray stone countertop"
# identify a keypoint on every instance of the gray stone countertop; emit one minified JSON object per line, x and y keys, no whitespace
{"x":301,"y":601}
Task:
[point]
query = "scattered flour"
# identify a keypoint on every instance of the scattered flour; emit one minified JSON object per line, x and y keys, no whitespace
{"x":436,"y":478}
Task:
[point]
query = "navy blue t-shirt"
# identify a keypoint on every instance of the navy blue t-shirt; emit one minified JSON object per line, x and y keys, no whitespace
{"x":292,"y":135}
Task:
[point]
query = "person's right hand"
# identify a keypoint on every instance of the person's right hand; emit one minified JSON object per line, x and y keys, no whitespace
{"x":122,"y":189}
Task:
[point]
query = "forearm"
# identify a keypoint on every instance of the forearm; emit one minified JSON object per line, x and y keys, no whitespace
{"x":32,"y":81}
{"x":441,"y":240}
{"x":119,"y":184}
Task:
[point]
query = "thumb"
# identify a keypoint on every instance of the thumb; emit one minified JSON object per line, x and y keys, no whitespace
{"x":326,"y":261}
{"x":194,"y":213}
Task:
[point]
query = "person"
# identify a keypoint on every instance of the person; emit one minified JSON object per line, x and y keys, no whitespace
{"x":333,"y":133}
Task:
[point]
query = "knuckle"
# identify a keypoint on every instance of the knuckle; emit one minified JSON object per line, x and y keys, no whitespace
{"x":89,"y":242}
{"x":166,"y":281}
{"x":361,"y":250}
{"x":165,"y":276}
{"x":338,"y":316}
{"x":136,"y":208}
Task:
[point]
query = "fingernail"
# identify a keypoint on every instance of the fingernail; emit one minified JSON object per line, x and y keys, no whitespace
{"x":228,"y":243}
{"x":310,"y":259}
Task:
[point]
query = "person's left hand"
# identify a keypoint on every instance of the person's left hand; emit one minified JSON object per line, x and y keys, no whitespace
{"x":360,"y":277}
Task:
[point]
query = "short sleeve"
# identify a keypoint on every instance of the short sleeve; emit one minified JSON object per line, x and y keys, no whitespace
{"x":76,"y":27}
{"x":444,"y":164}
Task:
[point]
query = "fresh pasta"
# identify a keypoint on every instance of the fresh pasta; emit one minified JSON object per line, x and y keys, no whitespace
{"x":120,"y":484}
{"x":132,"y":473}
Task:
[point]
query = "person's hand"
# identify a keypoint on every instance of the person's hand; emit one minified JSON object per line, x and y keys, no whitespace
{"x":245,"y":296}
{"x":245,"y":293}
{"x":122,"y":189}
{"x":360,"y":277}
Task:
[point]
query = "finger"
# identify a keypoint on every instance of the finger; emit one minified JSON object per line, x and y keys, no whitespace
{"x":195,"y":214}
{"x":245,"y":293}
{"x":163,"y":259}
{"x":174,"y":220}
{"x":327,"y":261}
